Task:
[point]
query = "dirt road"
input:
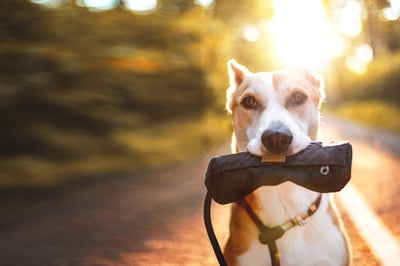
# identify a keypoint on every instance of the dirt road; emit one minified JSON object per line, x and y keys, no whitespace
{"x":155,"y":218}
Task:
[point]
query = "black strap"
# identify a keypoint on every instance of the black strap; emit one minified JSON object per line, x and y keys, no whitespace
{"x":273,"y":248}
{"x":210,"y":231}
{"x":268,"y":236}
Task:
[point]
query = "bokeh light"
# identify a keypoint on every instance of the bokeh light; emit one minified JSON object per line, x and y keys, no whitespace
{"x":350,"y":18}
{"x":140,"y":6}
{"x":358,"y":62}
{"x":251,"y":33}
{"x":205,"y":3}
{"x":392,"y":12}
{"x":48,"y":3}
{"x":97,"y":5}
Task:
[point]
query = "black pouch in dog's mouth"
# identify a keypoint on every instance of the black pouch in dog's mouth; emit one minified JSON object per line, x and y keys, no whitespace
{"x":321,"y":167}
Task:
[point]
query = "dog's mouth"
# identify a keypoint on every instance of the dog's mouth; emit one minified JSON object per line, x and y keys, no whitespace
{"x":277,"y":140}
{"x":260,"y":150}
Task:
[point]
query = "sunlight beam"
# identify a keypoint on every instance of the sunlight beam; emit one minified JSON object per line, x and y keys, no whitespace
{"x":350,"y":17}
{"x":303,"y":34}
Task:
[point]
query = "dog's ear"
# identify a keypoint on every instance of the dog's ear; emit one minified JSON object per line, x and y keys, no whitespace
{"x":236,"y":73}
{"x":314,"y":78}
{"x":316,"y":81}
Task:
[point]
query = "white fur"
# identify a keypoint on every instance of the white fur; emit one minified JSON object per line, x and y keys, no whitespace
{"x":301,"y":245}
{"x":275,"y":112}
{"x":321,"y":240}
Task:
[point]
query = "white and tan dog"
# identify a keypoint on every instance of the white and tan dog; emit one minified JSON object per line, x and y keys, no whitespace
{"x":278,"y":113}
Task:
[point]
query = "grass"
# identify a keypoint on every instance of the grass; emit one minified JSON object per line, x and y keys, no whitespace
{"x":374,"y":113}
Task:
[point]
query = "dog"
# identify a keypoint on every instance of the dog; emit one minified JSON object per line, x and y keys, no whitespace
{"x":277,"y":113}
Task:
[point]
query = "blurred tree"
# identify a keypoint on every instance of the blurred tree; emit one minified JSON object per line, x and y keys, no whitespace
{"x":17,"y":24}
{"x":238,"y":13}
{"x":377,"y":32}
{"x":372,"y":79}
{"x":75,"y":84}
{"x":176,"y":5}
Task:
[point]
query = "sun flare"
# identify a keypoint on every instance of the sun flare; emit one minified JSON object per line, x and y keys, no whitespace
{"x":303,"y":34}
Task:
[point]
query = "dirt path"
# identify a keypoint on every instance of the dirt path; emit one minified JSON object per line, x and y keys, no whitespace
{"x":156,"y":218}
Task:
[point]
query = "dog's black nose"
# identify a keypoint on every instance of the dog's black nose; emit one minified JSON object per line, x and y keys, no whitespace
{"x":278,"y":139}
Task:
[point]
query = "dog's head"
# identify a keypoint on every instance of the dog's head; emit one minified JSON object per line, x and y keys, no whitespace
{"x":274,"y":112}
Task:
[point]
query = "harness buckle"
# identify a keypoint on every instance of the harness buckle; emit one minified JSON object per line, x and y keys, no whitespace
{"x":299,"y":221}
{"x":270,"y":235}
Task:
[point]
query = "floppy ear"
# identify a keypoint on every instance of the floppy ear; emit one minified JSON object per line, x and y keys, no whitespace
{"x":236,"y":73}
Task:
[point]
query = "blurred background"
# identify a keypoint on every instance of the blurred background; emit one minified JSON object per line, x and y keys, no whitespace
{"x":93,"y":88}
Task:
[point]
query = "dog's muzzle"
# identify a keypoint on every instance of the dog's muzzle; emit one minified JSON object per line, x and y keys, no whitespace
{"x":277,"y":138}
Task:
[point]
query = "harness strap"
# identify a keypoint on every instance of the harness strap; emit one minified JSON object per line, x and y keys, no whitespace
{"x":269,"y":235}
{"x":272,"y":246}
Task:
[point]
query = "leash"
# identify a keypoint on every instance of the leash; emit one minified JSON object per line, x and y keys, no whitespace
{"x":268,"y":236}
{"x":210,"y":231}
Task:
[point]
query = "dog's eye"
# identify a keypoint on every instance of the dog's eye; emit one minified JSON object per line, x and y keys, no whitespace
{"x":249,"y":102}
{"x":297,"y":98}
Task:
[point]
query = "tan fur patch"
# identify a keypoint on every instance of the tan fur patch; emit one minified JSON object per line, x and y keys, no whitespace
{"x":242,"y":230}
{"x":300,"y":78}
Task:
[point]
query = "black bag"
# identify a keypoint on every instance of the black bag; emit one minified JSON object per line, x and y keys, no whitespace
{"x":321,"y":167}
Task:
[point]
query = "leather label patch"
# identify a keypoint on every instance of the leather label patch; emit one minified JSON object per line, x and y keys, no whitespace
{"x":273,"y":158}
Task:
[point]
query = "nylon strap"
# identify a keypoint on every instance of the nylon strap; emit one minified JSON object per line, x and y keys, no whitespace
{"x":210,"y":231}
{"x":269,"y":235}
{"x":272,"y":246}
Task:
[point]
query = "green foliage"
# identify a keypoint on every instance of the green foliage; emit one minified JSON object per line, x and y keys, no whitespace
{"x":241,"y":12}
{"x":373,"y":113}
{"x":371,"y":98}
{"x":87,"y":94}
{"x":381,"y":81}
